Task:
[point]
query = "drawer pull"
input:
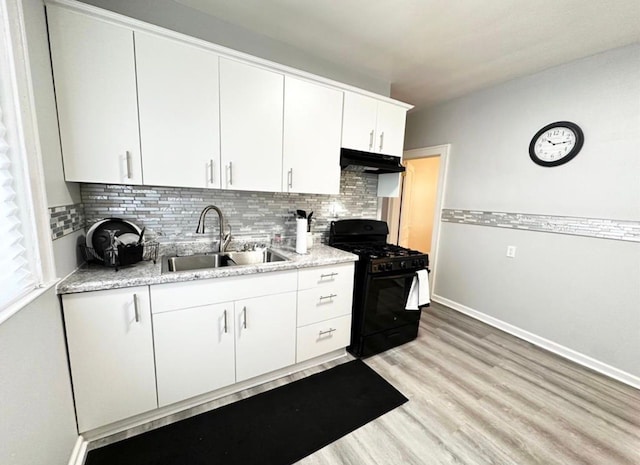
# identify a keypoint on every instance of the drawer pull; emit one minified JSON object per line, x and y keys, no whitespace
{"x":330,"y":296}
{"x":244,"y":317}
{"x":136,"y":311}
{"x":328,"y":275}
{"x":329,"y":331}
{"x":225,"y":321}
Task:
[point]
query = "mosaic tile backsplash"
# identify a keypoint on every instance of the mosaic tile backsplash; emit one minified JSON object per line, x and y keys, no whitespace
{"x":66,"y":219}
{"x":171,"y":213}
{"x":591,"y":227}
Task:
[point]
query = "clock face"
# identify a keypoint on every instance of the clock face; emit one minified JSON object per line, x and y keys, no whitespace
{"x":556,"y":143}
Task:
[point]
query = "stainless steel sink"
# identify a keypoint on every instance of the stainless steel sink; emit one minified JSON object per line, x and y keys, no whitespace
{"x":254,"y":257}
{"x":217,"y":260}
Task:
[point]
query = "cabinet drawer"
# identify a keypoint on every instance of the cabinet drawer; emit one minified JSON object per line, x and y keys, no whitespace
{"x":324,"y":337}
{"x":172,"y":296}
{"x":324,"y":276}
{"x":322,"y":303}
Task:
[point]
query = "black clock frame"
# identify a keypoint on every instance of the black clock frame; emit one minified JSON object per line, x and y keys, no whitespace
{"x":570,"y":156}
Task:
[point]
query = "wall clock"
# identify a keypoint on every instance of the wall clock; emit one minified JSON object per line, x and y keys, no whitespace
{"x":556,"y":143}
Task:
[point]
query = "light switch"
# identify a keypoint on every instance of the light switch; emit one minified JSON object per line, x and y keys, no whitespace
{"x":511,"y":251}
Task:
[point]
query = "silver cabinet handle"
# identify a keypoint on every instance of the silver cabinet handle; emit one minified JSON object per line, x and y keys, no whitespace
{"x":211,"y":172}
{"x":244,"y":317}
{"x":290,"y":178}
{"x":371,"y":140}
{"x":330,"y":296}
{"x":328,"y":275}
{"x":136,"y":311}
{"x":225,"y":321}
{"x":381,"y":140}
{"x":230,"y":173}
{"x":128,"y":160}
{"x":329,"y":331}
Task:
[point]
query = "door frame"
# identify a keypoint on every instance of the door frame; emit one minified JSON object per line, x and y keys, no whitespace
{"x":394,"y":203}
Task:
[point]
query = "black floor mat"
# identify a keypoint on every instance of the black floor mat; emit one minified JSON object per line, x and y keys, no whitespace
{"x":277,"y":427}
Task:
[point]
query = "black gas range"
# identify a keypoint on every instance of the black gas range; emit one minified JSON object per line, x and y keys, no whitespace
{"x":383,"y":276}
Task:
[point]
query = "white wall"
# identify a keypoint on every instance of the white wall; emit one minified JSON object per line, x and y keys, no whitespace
{"x":180,"y":18}
{"x":580,"y":293}
{"x":37,"y":423}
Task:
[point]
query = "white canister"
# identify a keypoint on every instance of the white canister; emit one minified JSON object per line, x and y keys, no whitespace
{"x":309,"y":240}
{"x":301,"y":235}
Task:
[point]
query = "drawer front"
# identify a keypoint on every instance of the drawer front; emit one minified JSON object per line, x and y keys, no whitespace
{"x":324,"y":337}
{"x":324,"y":276}
{"x":173,"y":296}
{"x":322,"y":303}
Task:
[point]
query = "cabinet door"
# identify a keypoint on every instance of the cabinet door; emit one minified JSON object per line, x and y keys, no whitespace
{"x":94,"y":74}
{"x":179,"y":108}
{"x":359,"y":122}
{"x":194,"y":351}
{"x":390,"y":129}
{"x":312,"y":132}
{"x":265,"y":334}
{"x":111,"y":354}
{"x":251,"y":110}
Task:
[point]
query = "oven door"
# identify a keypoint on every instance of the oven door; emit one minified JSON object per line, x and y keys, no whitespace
{"x":385,"y":302}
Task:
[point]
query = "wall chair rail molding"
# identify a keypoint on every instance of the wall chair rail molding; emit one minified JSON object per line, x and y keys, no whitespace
{"x":619,"y":230}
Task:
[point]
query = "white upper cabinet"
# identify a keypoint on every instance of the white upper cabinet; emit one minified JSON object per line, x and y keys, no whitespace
{"x":372,"y":125}
{"x":312,"y":132}
{"x":390,"y":129}
{"x":94,"y":73}
{"x":179,"y":112}
{"x":251,"y":113}
{"x":359,"y":122}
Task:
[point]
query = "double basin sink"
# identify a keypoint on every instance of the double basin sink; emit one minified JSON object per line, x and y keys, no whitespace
{"x":219,"y":260}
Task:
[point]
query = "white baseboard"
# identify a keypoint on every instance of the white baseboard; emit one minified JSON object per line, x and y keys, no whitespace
{"x":79,"y":452}
{"x":546,"y":344}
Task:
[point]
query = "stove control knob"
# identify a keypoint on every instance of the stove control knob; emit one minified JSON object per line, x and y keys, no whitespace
{"x":403,"y":265}
{"x":414,"y":263}
{"x":389,"y":266}
{"x":423,"y":262}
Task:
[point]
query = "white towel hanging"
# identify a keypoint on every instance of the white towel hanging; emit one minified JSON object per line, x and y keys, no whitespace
{"x":419,"y":292}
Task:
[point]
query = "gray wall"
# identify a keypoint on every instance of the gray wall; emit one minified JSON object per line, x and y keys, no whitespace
{"x":38,"y":423}
{"x":180,"y":18}
{"x":579,"y":292}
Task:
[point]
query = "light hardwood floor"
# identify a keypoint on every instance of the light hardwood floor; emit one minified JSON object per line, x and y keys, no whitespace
{"x":479,"y":396}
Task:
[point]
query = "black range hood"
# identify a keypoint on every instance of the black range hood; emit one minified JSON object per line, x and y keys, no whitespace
{"x":368,"y":162}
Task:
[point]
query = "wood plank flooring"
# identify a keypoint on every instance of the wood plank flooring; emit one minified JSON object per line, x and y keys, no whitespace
{"x":478,"y":396}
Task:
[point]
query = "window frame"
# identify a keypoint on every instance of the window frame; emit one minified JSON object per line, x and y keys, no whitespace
{"x":29,"y":177}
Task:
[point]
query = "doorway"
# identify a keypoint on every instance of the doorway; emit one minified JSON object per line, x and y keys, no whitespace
{"x":418,"y":205}
{"x":414,"y":217}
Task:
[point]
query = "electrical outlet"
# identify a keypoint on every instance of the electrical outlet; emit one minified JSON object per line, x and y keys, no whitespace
{"x":511,"y":251}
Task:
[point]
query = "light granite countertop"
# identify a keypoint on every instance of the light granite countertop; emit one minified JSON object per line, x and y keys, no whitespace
{"x":94,"y":277}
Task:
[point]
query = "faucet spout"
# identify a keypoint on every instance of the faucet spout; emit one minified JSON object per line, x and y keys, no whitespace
{"x":222,"y":243}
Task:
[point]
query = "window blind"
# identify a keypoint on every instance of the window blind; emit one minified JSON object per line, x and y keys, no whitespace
{"x":16,"y":278}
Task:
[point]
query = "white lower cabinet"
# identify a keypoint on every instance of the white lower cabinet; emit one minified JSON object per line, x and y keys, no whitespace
{"x":110,"y":345}
{"x":325,"y":296}
{"x":265,"y":334}
{"x":210,"y":334}
{"x":194,"y":351}
{"x":135,"y":349}
{"x":320,"y":338}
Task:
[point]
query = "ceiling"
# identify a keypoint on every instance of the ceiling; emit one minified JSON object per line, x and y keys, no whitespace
{"x":436,"y":50}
